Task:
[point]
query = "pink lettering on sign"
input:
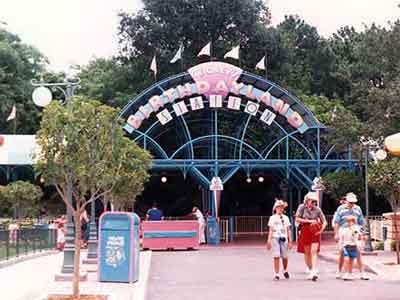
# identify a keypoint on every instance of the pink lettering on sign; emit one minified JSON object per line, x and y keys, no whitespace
{"x":219,"y":75}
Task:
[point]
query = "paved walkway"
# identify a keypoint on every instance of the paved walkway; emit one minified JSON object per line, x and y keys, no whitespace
{"x":229,"y":273}
{"x":381,"y":263}
{"x":28,"y":279}
{"x":34,"y":279}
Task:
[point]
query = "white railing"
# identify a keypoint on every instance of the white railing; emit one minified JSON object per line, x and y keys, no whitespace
{"x":234,"y":226}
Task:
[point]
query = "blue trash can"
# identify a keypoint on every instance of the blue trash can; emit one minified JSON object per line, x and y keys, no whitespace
{"x":119,"y":247}
{"x":213,"y":236}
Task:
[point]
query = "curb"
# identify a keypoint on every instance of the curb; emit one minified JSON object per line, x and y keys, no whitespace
{"x":367,"y":267}
{"x":16,"y":260}
{"x":141,"y":288}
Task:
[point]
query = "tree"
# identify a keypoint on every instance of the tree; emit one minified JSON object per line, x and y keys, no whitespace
{"x":112,"y":82}
{"x":19,"y":63}
{"x":343,"y":126}
{"x":22,"y":196}
{"x":124,"y":194}
{"x":385,"y":177}
{"x":338,"y":184}
{"x":83,"y":150}
{"x":161,"y":27}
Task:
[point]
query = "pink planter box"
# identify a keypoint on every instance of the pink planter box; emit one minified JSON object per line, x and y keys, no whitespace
{"x":160,"y":235}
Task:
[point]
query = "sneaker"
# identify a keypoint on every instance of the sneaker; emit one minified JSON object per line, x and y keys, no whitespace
{"x":310,"y":276}
{"x":339,"y":275}
{"x":364,"y":276}
{"x":314,"y":277}
{"x":348,"y":277}
{"x":276,"y":277}
{"x":286,"y":274}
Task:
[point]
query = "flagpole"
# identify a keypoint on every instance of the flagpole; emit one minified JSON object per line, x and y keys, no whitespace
{"x":182,"y":65}
{"x":211,"y":50}
{"x":265,"y":66}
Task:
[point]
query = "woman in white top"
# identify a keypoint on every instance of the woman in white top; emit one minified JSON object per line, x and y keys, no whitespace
{"x":202,"y":224}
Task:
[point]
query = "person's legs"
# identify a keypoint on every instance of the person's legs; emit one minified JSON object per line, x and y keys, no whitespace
{"x":314,"y":257}
{"x":307,"y":256}
{"x":360,"y":266}
{"x":350,"y":265}
{"x":346,"y":267}
{"x":285,"y":260}
{"x":276,"y":254}
{"x":202,"y":237}
{"x":340,"y":264}
{"x":276,"y":265}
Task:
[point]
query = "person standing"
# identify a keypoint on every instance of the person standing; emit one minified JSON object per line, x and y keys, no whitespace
{"x":349,"y":208}
{"x":154,"y":213}
{"x":279,"y":238}
{"x":202,"y":224}
{"x":312,"y":223}
{"x":348,"y":239}
{"x":84,"y":229}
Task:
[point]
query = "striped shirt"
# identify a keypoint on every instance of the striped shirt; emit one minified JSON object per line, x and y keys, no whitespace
{"x":343,"y":211}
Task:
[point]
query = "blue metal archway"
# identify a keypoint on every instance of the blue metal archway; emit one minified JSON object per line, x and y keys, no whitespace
{"x":218,"y":139}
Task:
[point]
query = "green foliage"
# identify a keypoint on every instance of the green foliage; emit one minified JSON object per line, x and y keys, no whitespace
{"x":19,"y":63}
{"x":343,"y":126}
{"x":22,"y":196}
{"x":112,"y":82}
{"x":84,"y":150}
{"x":338,"y":184}
{"x":83,"y":144}
{"x":379,"y":245}
{"x":385,"y":177}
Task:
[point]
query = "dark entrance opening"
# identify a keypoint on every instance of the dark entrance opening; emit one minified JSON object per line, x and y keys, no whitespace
{"x":250,"y":196}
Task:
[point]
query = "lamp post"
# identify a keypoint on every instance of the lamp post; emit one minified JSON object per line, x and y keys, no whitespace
{"x":367,"y":144}
{"x":42,"y":96}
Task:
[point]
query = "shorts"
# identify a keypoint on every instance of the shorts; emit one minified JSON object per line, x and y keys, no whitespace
{"x":308,"y":237}
{"x":350,"y":252}
{"x":279,"y":248}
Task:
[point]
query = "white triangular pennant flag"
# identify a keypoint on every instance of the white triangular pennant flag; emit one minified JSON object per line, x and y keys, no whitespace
{"x":153,"y":65}
{"x":178,"y":55}
{"x":261,"y":64}
{"x":234,"y":53}
{"x":206,"y":50}
{"x":13,"y":113}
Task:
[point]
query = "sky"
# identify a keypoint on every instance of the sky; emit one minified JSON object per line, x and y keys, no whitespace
{"x":75,"y":31}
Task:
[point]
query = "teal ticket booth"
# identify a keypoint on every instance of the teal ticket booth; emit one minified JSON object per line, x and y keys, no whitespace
{"x":119,"y":247}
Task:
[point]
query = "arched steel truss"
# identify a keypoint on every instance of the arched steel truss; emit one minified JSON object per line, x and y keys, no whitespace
{"x":299,"y":157}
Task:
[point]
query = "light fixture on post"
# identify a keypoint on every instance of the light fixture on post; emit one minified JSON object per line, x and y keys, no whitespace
{"x":261,"y":179}
{"x":42,"y":96}
{"x":368,"y":144}
{"x":164,"y":179}
{"x":248,"y":180}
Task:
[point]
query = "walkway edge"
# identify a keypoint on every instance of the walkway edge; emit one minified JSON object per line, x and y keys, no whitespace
{"x":16,"y":260}
{"x":141,"y":287}
{"x":332,"y":258}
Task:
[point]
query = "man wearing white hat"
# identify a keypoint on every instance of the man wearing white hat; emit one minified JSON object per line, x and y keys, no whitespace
{"x":349,"y":208}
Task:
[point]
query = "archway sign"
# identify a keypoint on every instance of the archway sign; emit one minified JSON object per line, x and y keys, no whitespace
{"x":215,"y":80}
{"x":217,"y":119}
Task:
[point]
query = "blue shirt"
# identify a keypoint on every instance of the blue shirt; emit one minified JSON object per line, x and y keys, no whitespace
{"x":154,"y":214}
{"x":343,"y":211}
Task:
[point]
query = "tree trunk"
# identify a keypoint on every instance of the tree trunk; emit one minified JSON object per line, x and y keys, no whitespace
{"x":76,"y":279}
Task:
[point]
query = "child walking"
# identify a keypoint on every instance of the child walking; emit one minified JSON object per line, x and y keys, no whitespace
{"x":279,"y":238}
{"x":60,"y":236}
{"x":349,"y":237}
